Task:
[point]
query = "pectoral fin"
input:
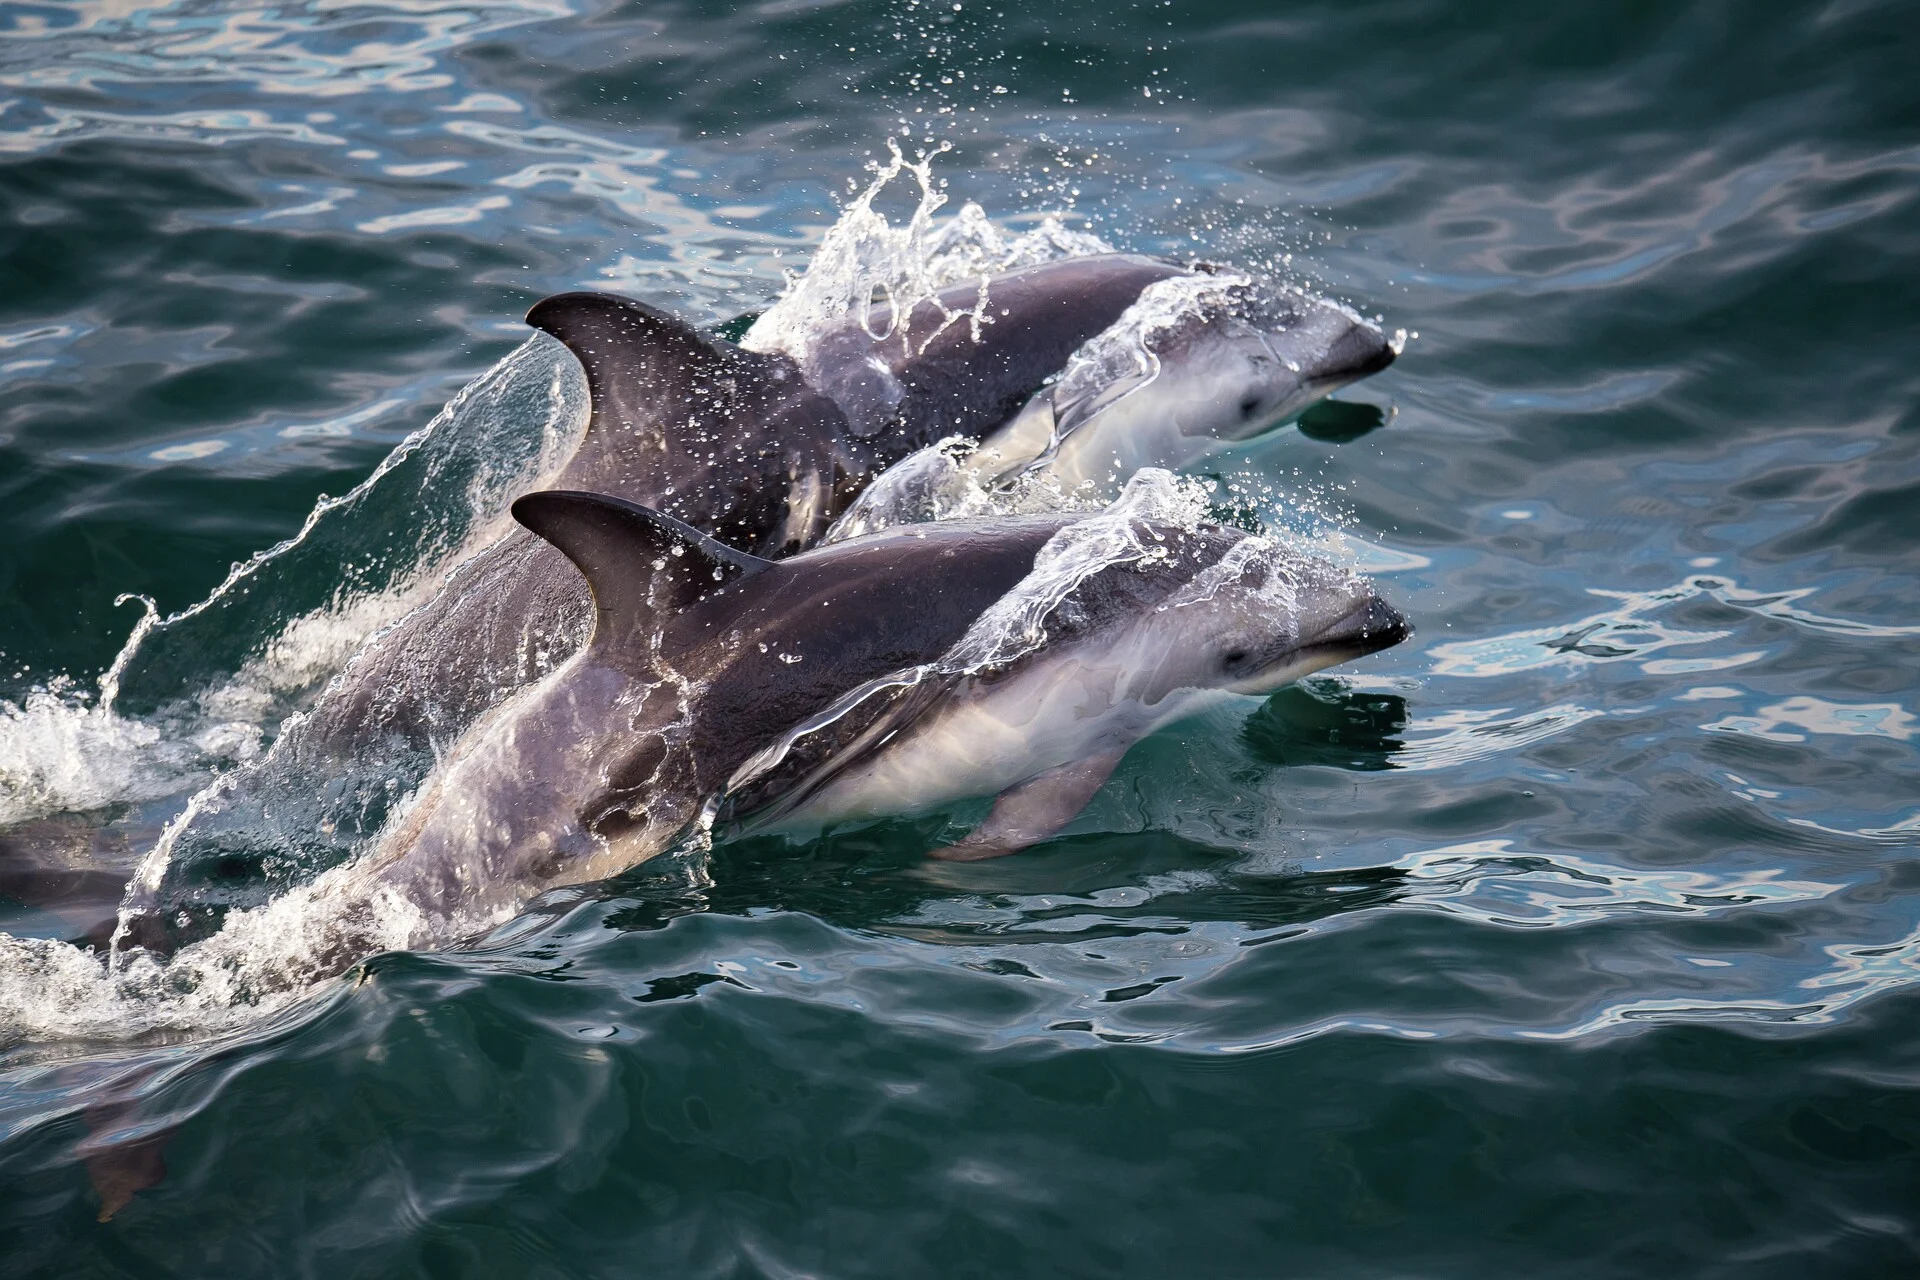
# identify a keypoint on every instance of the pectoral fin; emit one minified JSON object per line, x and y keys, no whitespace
{"x":1033,"y":810}
{"x":124,"y":1155}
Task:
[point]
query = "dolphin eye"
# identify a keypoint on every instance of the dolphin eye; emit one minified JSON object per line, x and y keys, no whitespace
{"x":1236,"y":657}
{"x":1248,"y":406}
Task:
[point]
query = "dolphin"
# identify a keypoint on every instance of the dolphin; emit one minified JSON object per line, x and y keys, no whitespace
{"x":743,"y":446}
{"x":759,"y":449}
{"x":698,"y":654}
{"x":1196,"y":364}
{"x":738,"y":444}
{"x":869,"y":677}
{"x":1201,"y":378}
{"x":1181,"y":621}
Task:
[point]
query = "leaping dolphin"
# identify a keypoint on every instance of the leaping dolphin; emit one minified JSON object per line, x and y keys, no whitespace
{"x":890,"y":673}
{"x":1197,"y":363}
{"x":740,"y":445}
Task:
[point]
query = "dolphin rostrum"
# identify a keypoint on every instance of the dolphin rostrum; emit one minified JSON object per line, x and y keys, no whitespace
{"x":889,"y":673}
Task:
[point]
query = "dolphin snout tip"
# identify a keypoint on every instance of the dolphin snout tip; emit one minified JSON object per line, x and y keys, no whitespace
{"x":1360,"y":351}
{"x":1385,"y":623}
{"x":1374,"y":626}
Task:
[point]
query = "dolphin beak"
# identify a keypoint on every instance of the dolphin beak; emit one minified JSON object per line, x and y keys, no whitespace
{"x":1360,"y":351}
{"x":1375,"y":626}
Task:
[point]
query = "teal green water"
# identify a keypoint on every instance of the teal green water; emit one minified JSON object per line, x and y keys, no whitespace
{"x":1576,"y":937}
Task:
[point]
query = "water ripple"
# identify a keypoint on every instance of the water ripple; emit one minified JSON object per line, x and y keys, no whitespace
{"x":1600,"y":890}
{"x":319,"y":51}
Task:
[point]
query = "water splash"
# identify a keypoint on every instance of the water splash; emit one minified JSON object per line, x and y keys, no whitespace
{"x":866,"y":263}
{"x":62,"y":752}
{"x":260,"y":961}
{"x":282,"y":624}
{"x":207,"y":688}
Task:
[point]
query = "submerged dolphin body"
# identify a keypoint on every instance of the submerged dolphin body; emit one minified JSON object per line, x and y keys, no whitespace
{"x":878,"y":669}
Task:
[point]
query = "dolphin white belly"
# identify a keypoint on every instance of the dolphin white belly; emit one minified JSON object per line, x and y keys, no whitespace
{"x":998,"y":735}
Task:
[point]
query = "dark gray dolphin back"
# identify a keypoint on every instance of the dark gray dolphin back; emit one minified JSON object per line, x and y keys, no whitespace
{"x":941,"y":382}
{"x":725,"y":439}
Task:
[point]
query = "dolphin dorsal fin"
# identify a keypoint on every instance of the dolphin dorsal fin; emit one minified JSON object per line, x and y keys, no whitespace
{"x":645,"y":369}
{"x":635,"y":560}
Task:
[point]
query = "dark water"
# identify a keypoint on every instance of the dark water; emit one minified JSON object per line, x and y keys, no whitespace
{"x":1577,"y":936}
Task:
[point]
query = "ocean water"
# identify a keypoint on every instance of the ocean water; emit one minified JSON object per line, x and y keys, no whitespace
{"x":1576,"y":936}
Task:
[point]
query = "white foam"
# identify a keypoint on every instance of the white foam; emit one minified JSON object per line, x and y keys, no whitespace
{"x":62,"y":752}
{"x":63,"y":749}
{"x":260,"y":961}
{"x":371,"y":556}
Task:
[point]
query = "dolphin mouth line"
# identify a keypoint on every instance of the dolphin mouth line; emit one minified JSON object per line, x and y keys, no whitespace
{"x":1379,"y":633}
{"x":1347,"y":650}
{"x":1381,"y":627}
